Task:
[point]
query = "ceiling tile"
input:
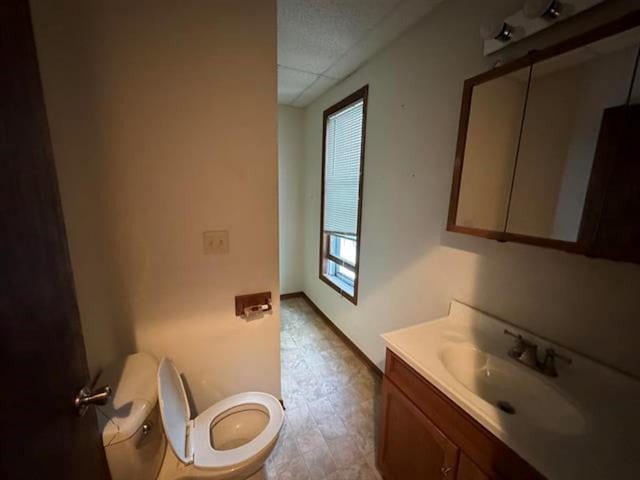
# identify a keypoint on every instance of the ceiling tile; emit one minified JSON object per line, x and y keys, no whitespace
{"x":292,"y":83}
{"x":321,"y":85}
{"x":391,"y":27}
{"x":333,"y":38}
{"x":314,"y":34}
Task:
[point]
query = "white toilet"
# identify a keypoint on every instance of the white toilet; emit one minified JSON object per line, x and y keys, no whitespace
{"x":228,"y":441}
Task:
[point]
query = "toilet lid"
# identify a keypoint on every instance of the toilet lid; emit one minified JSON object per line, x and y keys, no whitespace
{"x":174,"y":409}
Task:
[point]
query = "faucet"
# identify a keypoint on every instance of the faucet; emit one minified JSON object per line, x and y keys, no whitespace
{"x":526,"y":352}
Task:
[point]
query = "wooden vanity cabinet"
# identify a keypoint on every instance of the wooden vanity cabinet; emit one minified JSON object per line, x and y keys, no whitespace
{"x":467,"y":470}
{"x":413,"y":448}
{"x":424,"y":435}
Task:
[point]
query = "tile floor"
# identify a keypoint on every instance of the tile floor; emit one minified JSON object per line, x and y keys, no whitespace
{"x":331,"y":399}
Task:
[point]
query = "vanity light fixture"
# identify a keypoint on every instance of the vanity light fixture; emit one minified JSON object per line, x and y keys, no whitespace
{"x":547,"y":9}
{"x":535,"y":16}
{"x":496,"y":30}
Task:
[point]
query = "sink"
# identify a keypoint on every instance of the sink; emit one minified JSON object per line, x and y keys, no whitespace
{"x":512,"y":389}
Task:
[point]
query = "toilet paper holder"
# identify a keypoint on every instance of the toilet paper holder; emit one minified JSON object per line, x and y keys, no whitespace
{"x":253,"y":304}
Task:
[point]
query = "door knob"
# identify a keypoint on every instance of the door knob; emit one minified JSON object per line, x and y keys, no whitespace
{"x":146,"y":428}
{"x":86,"y":397}
{"x":445,"y":470}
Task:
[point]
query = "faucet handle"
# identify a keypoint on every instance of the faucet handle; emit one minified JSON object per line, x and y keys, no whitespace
{"x":520,"y":340}
{"x":511,"y":334}
{"x":524,"y":350}
{"x":551,"y":353}
{"x":519,"y":348}
{"x":549,"y":364}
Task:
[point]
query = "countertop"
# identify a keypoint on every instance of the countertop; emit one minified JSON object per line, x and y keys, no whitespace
{"x":605,"y":445}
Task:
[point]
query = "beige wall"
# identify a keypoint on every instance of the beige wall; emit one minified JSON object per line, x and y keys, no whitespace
{"x":291,"y":196}
{"x":163,"y":120}
{"x":411,"y":267}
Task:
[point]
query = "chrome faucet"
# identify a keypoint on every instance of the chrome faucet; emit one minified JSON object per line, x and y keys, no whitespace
{"x":526,"y":352}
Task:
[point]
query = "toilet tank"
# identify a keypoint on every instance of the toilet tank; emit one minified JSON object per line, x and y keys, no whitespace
{"x":130,"y":422}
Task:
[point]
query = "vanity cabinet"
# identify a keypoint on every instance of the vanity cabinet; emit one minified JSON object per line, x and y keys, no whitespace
{"x":467,"y":470}
{"x":413,"y":447}
{"x":424,"y":435}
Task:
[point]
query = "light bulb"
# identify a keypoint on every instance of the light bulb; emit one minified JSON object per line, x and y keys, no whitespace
{"x":496,"y":30}
{"x":549,"y":9}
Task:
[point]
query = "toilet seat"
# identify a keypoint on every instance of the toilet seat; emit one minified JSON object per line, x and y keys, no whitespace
{"x":190,"y":440}
{"x":205,"y":456}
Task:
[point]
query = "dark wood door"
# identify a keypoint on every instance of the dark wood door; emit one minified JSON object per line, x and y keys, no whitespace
{"x":41,"y":345}
{"x":613,"y":199}
{"x":412,"y":448}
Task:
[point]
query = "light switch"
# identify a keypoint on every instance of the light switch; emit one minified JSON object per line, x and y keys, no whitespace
{"x":216,"y":243}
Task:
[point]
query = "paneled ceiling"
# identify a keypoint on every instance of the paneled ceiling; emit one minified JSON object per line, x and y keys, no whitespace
{"x":321,"y":42}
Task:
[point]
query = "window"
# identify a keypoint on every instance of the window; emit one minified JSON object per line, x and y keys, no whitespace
{"x":342,"y":168}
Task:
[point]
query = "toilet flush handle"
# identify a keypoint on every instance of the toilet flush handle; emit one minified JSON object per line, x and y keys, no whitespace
{"x":86,"y":397}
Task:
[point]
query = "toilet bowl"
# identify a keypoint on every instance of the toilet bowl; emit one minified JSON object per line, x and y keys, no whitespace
{"x":228,"y":441}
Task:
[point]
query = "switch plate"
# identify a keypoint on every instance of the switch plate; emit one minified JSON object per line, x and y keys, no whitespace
{"x":216,"y":242}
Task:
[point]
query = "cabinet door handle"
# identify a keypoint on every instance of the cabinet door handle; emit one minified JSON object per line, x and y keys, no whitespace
{"x":445,"y":470}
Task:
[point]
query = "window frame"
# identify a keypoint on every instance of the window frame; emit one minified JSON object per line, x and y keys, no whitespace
{"x":335,"y":281}
{"x":339,"y":261}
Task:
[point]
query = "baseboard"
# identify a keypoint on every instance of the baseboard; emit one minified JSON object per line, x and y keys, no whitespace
{"x":352,"y":346}
{"x":284,"y":296}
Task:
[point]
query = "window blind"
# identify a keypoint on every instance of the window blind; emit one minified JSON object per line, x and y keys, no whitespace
{"x":342,"y":169}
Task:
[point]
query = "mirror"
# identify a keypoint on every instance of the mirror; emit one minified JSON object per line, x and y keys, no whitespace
{"x":568,"y":95}
{"x":546,"y":147}
{"x":491,"y":147}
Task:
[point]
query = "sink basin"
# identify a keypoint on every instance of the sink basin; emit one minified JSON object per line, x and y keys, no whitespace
{"x":512,"y":389}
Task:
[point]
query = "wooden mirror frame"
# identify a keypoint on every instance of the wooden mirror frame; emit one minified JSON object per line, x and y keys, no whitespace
{"x":590,"y":215}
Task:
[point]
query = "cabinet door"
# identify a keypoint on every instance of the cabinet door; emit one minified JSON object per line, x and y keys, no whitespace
{"x":467,"y":470}
{"x":412,"y":448}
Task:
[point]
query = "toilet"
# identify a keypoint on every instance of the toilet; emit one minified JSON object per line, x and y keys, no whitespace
{"x":149,"y":409}
{"x":230,"y":440}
